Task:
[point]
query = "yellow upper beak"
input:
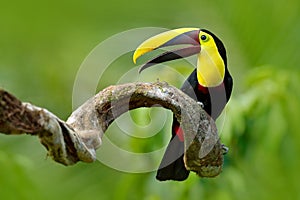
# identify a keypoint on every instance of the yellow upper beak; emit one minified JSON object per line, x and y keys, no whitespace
{"x":167,"y":38}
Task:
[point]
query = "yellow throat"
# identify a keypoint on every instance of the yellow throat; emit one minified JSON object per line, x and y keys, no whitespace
{"x":210,"y":66}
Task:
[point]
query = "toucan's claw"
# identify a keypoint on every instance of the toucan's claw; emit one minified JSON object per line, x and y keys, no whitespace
{"x":171,"y":55}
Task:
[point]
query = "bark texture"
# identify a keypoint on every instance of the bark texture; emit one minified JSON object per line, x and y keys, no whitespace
{"x":78,"y":138}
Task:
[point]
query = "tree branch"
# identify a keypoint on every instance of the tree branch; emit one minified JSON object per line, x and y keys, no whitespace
{"x":78,"y":138}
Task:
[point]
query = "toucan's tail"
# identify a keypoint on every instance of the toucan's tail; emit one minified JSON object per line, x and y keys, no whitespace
{"x":172,"y":165}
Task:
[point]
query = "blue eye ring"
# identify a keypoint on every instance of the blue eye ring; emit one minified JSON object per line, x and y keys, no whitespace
{"x":204,"y":38}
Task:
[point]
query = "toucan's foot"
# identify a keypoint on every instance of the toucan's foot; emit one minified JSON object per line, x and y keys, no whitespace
{"x":224,"y":149}
{"x":201,"y":104}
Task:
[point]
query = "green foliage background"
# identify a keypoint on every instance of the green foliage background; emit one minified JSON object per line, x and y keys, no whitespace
{"x":43,"y":43}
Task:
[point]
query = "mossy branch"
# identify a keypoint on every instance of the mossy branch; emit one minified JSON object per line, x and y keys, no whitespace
{"x":78,"y":138}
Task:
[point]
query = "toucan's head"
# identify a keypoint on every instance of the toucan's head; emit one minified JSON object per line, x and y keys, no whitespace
{"x":212,"y":61}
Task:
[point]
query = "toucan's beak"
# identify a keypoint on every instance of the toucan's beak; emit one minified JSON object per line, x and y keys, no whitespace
{"x":169,"y":38}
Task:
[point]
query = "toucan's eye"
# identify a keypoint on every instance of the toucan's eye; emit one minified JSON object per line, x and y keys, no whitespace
{"x":204,"y":38}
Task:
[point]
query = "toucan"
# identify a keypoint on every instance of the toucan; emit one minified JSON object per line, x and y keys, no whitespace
{"x":210,"y":84}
